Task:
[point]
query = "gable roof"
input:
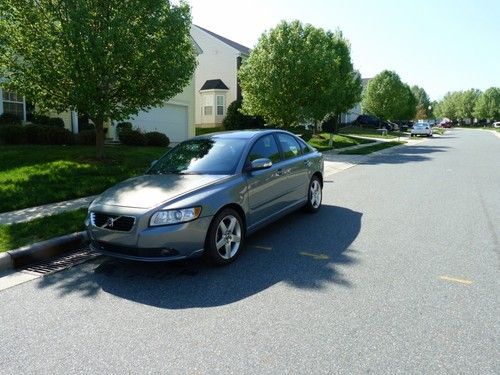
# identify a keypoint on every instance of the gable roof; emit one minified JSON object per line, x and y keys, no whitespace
{"x":241,"y":48}
{"x":214,"y":84}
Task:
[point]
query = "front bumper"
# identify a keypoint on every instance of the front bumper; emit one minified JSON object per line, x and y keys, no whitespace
{"x":152,"y":244}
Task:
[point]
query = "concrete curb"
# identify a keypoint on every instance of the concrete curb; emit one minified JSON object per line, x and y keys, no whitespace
{"x":41,"y":250}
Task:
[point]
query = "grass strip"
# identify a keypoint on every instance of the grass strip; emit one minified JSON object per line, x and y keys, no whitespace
{"x":322,"y":141}
{"x":370,"y":132}
{"x":369,"y":149}
{"x":13,"y":236}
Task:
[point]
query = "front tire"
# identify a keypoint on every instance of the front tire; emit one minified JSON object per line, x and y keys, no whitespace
{"x":314,"y":195}
{"x":225,"y":238}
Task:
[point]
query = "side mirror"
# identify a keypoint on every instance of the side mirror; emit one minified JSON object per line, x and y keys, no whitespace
{"x":153,"y":163}
{"x":258,"y":164}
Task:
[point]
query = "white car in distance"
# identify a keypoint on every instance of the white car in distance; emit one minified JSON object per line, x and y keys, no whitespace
{"x":421,"y":128}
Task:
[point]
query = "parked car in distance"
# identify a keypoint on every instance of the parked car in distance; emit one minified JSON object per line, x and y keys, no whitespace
{"x":496,"y":124}
{"x":394,"y":126}
{"x":369,"y":121}
{"x":446,"y":124}
{"x":421,"y":128}
{"x":205,"y":195}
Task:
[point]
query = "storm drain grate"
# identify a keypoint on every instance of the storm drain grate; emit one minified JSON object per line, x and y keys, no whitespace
{"x":61,"y":262}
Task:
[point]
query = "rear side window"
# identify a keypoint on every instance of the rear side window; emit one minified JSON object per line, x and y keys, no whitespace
{"x":304,"y":147}
{"x":265,"y":147}
{"x":289,"y":145}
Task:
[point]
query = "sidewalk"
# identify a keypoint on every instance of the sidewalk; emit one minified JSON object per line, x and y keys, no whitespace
{"x":28,"y":214}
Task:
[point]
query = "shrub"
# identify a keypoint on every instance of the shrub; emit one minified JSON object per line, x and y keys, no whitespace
{"x":157,"y":139}
{"x":86,"y":137}
{"x":132,"y":138}
{"x":10,"y":119}
{"x":46,"y":120}
{"x":121,"y":126}
{"x":47,"y":135}
{"x":236,"y":120}
{"x":13,"y":134}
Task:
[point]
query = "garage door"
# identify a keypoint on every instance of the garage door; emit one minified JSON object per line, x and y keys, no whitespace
{"x":170,"y":119}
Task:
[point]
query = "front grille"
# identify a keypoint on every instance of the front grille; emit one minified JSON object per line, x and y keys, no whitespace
{"x":118,"y":223}
{"x":134,"y":251}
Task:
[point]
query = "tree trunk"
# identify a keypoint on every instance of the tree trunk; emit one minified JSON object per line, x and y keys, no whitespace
{"x":99,"y":138}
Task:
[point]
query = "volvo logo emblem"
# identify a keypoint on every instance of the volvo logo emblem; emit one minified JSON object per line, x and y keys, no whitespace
{"x":110,"y":222}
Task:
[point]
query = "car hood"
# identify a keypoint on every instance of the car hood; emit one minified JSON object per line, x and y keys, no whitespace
{"x":149,"y":191}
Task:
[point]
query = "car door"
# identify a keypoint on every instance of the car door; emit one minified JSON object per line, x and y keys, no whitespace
{"x":266,"y":190}
{"x":294,"y":169}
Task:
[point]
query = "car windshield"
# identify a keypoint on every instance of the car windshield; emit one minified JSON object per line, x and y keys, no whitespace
{"x":201,"y":156}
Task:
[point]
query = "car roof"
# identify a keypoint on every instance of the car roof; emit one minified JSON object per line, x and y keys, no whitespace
{"x":240,"y":134}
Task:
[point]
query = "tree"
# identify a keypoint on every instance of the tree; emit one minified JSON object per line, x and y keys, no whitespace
{"x":298,"y":73}
{"x":106,"y":59}
{"x":423,"y":103}
{"x":466,"y":102}
{"x":448,"y":106}
{"x":388,"y":98}
{"x":488,"y":104}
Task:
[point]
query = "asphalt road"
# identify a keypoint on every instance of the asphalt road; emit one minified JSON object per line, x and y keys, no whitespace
{"x":398,"y":273}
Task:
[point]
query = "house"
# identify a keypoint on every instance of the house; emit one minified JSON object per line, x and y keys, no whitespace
{"x":354,"y":112}
{"x":216,"y":77}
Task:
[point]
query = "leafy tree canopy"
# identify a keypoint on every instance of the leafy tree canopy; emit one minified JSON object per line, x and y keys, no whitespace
{"x":107,"y":59}
{"x":466,"y":102}
{"x":423,"y":103}
{"x":298,"y":73}
{"x":449,"y":106}
{"x":488,"y":104}
{"x":388,"y":98}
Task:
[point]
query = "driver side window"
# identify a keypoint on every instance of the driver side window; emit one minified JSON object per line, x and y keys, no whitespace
{"x":265,"y":147}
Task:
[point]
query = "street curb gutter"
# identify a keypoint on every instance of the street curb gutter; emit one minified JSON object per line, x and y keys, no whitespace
{"x":41,"y":250}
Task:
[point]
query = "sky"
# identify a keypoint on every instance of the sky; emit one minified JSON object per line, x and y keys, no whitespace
{"x":440,"y":45}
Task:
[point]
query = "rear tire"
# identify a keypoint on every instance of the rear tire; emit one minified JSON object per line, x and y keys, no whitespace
{"x":314,"y":195}
{"x":225,"y":238}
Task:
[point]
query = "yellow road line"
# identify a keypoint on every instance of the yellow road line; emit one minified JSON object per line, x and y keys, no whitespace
{"x":456,"y":280}
{"x":315,"y":256}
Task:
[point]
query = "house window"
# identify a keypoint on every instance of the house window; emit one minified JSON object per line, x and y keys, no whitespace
{"x":207,"y":110}
{"x":13,"y":103}
{"x":220,"y":105}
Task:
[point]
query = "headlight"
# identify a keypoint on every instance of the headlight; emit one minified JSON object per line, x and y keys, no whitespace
{"x":169,"y":217}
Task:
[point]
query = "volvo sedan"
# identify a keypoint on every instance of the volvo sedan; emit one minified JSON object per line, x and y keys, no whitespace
{"x":205,"y":195}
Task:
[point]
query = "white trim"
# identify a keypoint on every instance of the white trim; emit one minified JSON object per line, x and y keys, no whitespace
{"x":24,"y":109}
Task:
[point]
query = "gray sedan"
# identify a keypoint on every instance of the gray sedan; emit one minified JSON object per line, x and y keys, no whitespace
{"x":205,"y":195}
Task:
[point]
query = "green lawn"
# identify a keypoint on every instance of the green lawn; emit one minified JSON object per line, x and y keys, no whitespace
{"x":45,"y":228}
{"x":369,"y":149}
{"x":321,"y":141}
{"x":35,"y":175}
{"x":369,"y":132}
{"x":201,"y":131}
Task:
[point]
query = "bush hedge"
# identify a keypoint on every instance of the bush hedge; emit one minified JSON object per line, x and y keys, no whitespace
{"x":157,"y":139}
{"x":235,"y":120}
{"x":132,"y":138}
{"x":10,"y":119}
{"x":13,"y":134}
{"x":51,"y":135}
{"x":47,"y":121}
{"x":85,"y":137}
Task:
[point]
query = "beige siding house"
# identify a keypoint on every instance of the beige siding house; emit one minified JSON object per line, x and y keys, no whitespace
{"x":216,"y":75}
